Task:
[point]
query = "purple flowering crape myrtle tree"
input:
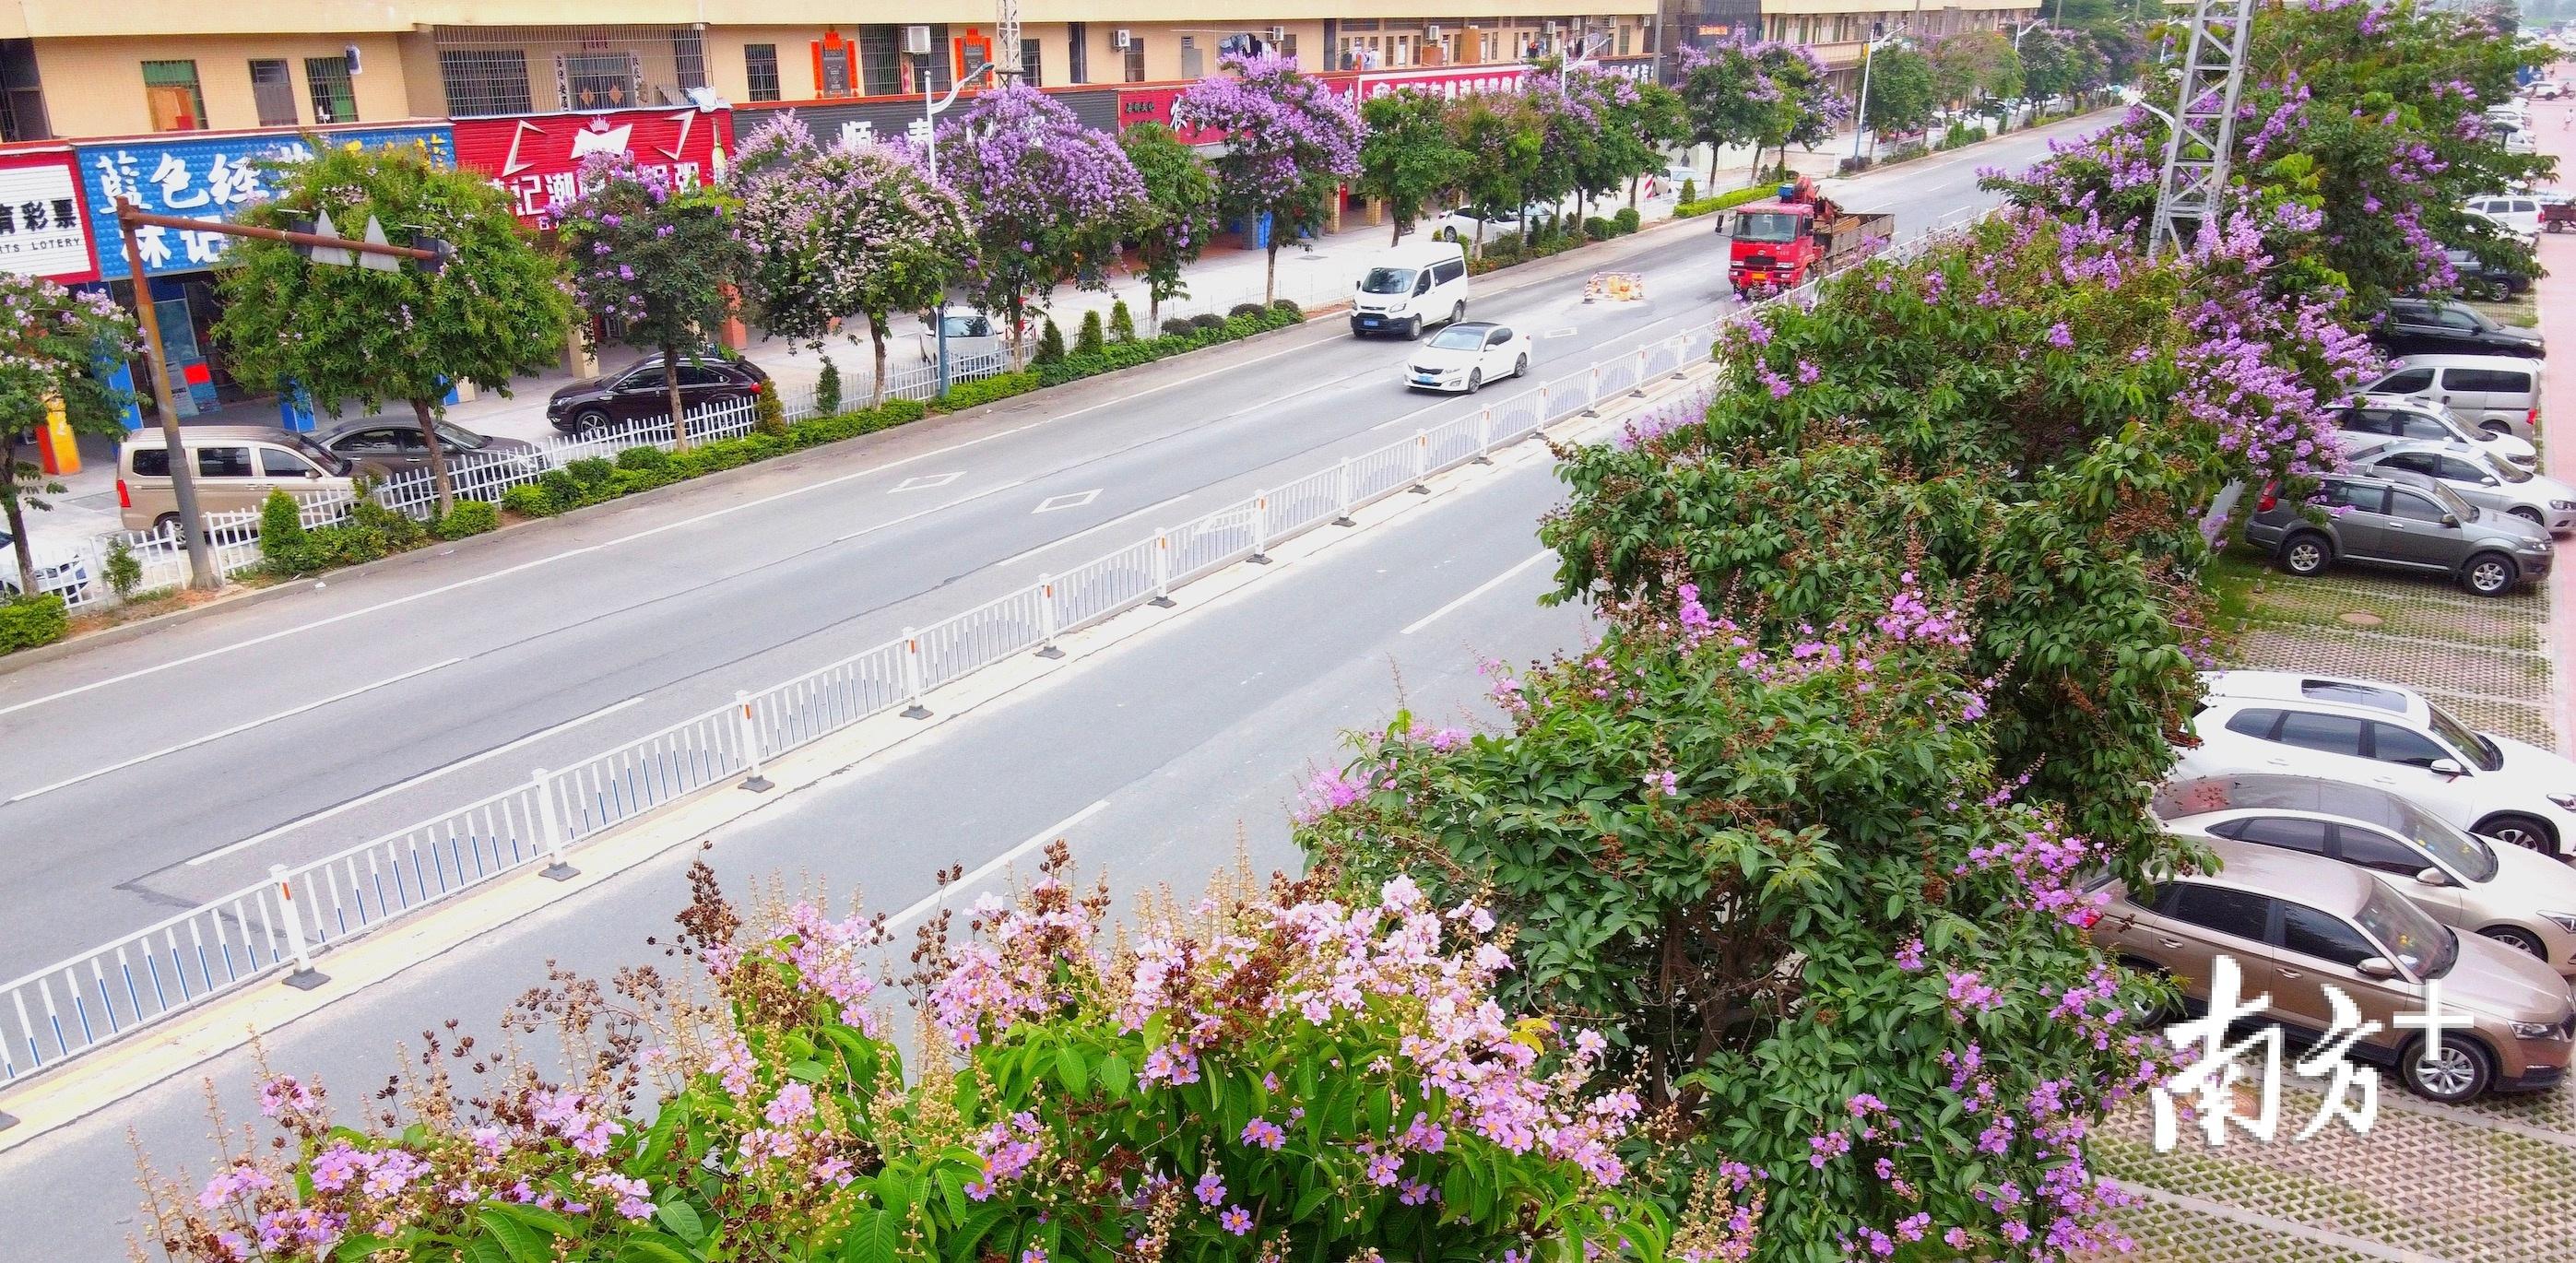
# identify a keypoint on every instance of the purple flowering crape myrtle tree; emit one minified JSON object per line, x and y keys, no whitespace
{"x":1761,"y":93}
{"x":1049,"y":197}
{"x":2359,"y":141}
{"x":1268,"y":1075}
{"x":660,"y":265}
{"x":1289,"y":142}
{"x":842,"y":231}
{"x":358,"y":336}
{"x":53,"y":344}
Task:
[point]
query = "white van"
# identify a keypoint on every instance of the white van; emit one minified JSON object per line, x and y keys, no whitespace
{"x":2498,"y":393}
{"x":1411,"y":287}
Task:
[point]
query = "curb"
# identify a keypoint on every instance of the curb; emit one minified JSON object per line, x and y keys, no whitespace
{"x":58,"y":1099}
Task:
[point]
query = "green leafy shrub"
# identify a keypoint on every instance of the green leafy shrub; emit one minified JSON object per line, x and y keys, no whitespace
{"x":1176,"y":326}
{"x":591,"y":477}
{"x":1205,"y":321}
{"x":123,"y":570}
{"x":563,"y":490}
{"x":1078,"y":1105}
{"x":1289,"y":307}
{"x":1243,"y":309}
{"x":984,"y":390}
{"x":827,"y":388}
{"x":1122,"y":323}
{"x":282,"y":538}
{"x":1050,"y":343}
{"x":1689,"y":209}
{"x":645,"y":458}
{"x":29,"y":621}
{"x":1087,"y":340}
{"x":469,"y":517}
{"x":1626,"y":221}
{"x":530,"y":499}
{"x":769,"y":415}
{"x":1689,"y":192}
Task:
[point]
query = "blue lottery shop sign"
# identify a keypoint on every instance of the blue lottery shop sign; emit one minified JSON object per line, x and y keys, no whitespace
{"x":203,"y":177}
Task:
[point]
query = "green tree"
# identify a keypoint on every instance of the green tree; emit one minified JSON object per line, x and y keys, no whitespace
{"x":1409,"y":156}
{"x":1180,"y":212}
{"x":1500,"y":137}
{"x":1289,"y":142}
{"x":843,"y":230}
{"x":346,"y":335}
{"x":1900,"y":90}
{"x":1975,"y":66}
{"x":1721,"y":91}
{"x":53,"y":344}
{"x":660,"y":263}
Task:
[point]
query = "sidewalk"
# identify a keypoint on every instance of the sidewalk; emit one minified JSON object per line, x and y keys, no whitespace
{"x":2556,"y":292}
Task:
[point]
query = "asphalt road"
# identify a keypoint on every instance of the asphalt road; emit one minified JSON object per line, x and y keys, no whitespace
{"x":149,"y":775}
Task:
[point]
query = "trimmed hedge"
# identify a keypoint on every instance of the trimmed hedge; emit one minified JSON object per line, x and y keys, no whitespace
{"x":1247,"y":320}
{"x":1723,"y":201}
{"x":469,"y":517}
{"x":29,"y":621}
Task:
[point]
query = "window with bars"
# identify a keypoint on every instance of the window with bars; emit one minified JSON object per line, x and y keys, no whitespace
{"x":887,"y":70}
{"x":485,"y":81}
{"x":171,"y":92}
{"x":1135,"y":59}
{"x":1029,"y":64}
{"x":334,"y":100}
{"x":599,"y":81}
{"x":689,"y":57}
{"x":22,"y":93}
{"x":272,"y":93}
{"x":760,"y":66}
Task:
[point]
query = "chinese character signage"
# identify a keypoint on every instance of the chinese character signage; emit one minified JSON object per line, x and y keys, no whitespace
{"x":878,"y":119}
{"x":536,"y":158}
{"x":202,"y":177}
{"x":1445,"y":82}
{"x":42,"y":232}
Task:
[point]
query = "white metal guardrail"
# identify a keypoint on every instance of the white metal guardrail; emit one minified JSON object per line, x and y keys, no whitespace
{"x":72,"y":1006}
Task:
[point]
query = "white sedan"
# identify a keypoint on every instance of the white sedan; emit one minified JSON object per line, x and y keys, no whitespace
{"x":1465,"y":356}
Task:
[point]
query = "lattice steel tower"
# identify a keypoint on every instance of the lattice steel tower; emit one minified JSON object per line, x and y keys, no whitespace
{"x":2202,"y":133}
{"x":1006,"y":34}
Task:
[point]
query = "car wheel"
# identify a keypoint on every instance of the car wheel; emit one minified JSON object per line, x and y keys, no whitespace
{"x":2517,"y":938}
{"x":2489,"y":574}
{"x":1457,"y":312}
{"x":1475,"y":380}
{"x":2461,"y":1073}
{"x":166,"y":526}
{"x":1520,"y":367}
{"x":2305,"y":553}
{"x":2528,"y":514}
{"x":1413,"y":329}
{"x":584,"y":421}
{"x":2519,"y":830}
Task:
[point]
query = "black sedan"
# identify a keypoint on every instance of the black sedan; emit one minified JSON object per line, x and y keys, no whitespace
{"x":397,"y":446}
{"x":2424,"y":326}
{"x":637,"y":392}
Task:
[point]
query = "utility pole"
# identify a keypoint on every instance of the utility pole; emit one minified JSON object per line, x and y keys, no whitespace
{"x":1006,"y":32}
{"x":1869,"y":54}
{"x":2201,"y":132}
{"x":183,"y":474}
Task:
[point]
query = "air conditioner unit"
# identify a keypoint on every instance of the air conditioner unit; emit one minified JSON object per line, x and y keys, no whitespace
{"x":1431,"y":34}
{"x":916,"y":40}
{"x":1120,"y":39}
{"x":1278,"y":35}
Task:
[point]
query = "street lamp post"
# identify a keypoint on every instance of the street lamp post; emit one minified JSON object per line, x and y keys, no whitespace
{"x":2026,"y":29}
{"x":1860,"y":121}
{"x":930,"y":111}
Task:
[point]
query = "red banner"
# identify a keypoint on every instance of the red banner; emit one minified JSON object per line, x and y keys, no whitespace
{"x":1444,"y":81}
{"x":535,"y":158}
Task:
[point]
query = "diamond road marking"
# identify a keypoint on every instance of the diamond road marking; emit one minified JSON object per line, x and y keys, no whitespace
{"x":924,"y":482}
{"x":1070,"y":500}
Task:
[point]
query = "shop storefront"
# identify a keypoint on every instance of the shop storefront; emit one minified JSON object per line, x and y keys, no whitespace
{"x":200,"y":176}
{"x":43,"y":234}
{"x":537,"y":158}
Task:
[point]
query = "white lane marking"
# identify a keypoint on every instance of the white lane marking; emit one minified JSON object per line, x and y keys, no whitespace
{"x":1566,"y":332}
{"x":924,"y":482}
{"x":1069,"y":500}
{"x":995,"y":864}
{"x":507,"y":571}
{"x":1396,"y":421}
{"x":922,"y":513}
{"x":236,"y":728}
{"x":399,"y":786}
{"x":1480,"y":589}
{"x":1034,"y":550}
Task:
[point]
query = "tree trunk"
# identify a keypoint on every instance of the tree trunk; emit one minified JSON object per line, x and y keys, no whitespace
{"x":1711,"y":190}
{"x":1632,"y":192}
{"x":1153,"y":310}
{"x":877,"y":334}
{"x":1270,"y":277}
{"x":17,"y":511}
{"x":420,"y":410}
{"x":1398,"y":238}
{"x":671,"y":384}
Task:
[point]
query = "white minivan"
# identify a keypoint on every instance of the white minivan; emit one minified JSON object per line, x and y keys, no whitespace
{"x":2497,"y":393}
{"x":1410,"y":288}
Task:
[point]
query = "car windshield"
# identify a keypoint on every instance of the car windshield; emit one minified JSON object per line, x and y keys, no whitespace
{"x":2503,"y":469}
{"x":332,"y":462}
{"x":2451,"y":500}
{"x":1387,"y":281}
{"x":2419,"y":945}
{"x":2449,"y":847}
{"x":1774,"y":226}
{"x":1455,"y":338}
{"x":460,"y":438}
{"x":2467,"y":741}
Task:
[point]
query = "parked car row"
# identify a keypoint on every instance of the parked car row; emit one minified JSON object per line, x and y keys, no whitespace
{"x":237,"y":466}
{"x":2370,"y":842}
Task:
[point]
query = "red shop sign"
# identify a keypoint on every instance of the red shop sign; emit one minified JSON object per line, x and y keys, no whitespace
{"x":536,"y":157}
{"x":1457,"y":82}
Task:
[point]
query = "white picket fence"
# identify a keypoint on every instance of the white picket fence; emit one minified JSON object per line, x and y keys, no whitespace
{"x":75,"y":1005}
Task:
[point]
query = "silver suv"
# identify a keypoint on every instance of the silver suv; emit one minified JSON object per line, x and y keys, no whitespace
{"x":2404,"y":520}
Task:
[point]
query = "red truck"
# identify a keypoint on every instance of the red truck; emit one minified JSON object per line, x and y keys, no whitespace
{"x":1787,"y":241}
